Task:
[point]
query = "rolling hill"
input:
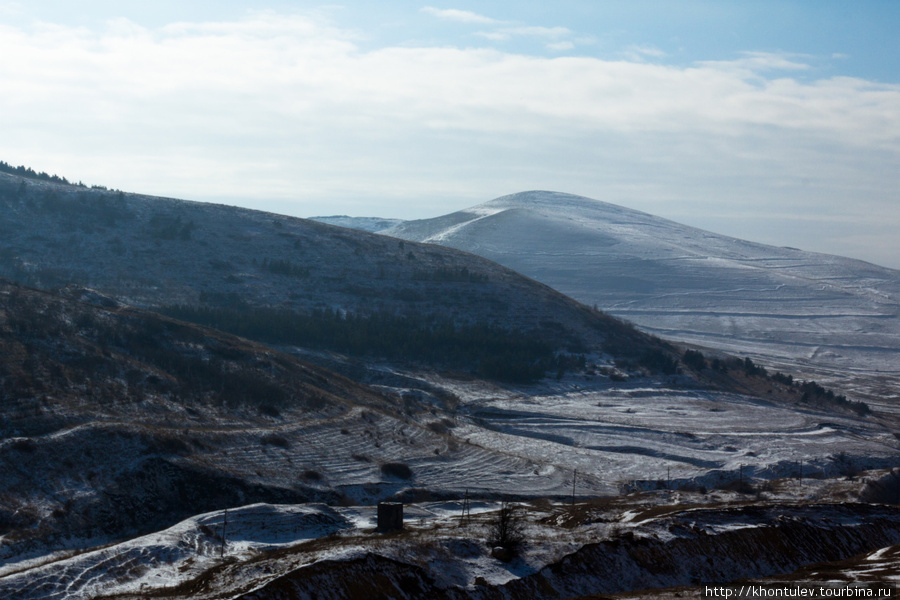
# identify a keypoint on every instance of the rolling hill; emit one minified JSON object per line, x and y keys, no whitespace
{"x":828,"y":317}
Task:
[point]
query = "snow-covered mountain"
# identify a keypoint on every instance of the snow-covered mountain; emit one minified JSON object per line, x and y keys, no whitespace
{"x":829,"y":316}
{"x":370,"y":224}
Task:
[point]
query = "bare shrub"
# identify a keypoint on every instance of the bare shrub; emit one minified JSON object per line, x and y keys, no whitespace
{"x":398,"y":470}
{"x":312,"y":475}
{"x":692,"y":486}
{"x":507,"y":529}
{"x":273,"y":439}
{"x":269,"y":410}
{"x":739,"y":486}
{"x":438,"y":427}
{"x":24,"y":445}
{"x":166,"y":444}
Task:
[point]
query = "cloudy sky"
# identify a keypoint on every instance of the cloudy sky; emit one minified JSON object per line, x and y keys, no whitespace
{"x":776,"y":121}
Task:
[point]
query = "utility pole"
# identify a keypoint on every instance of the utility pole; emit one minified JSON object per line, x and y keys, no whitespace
{"x":574,"y":476}
{"x":741,"y":476}
{"x":800,"y":475}
{"x":668,"y":478}
{"x":466,"y":510}
{"x":224,"y":527}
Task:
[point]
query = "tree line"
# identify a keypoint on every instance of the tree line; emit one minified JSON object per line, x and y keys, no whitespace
{"x":30,"y":173}
{"x":811,"y":392}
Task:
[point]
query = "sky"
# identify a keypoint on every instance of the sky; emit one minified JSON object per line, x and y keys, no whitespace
{"x":773,"y":121}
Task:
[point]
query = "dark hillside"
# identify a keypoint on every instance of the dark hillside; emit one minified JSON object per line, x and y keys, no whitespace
{"x":116,"y":420}
{"x":298,"y":282}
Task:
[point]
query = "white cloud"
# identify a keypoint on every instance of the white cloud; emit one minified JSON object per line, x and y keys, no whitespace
{"x":560,"y":46}
{"x":506,"y":33}
{"x":545,"y":32}
{"x":462,"y":16}
{"x":289,"y":108}
{"x":753,"y":63}
{"x":640,"y":53}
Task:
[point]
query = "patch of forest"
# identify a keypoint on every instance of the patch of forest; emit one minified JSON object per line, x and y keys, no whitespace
{"x":485,"y":349}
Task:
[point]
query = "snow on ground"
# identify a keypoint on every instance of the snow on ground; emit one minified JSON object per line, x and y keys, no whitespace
{"x":266,"y":541}
{"x":882,"y":566}
{"x":169,"y":557}
{"x":618,"y":435}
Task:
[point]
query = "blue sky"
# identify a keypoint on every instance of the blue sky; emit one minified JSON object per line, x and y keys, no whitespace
{"x":772,"y":121}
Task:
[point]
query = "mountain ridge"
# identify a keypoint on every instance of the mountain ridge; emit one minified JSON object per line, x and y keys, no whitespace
{"x":260,"y":274}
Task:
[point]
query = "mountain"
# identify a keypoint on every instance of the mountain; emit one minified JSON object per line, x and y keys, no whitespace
{"x":370,"y":224}
{"x":826,"y":316}
{"x":296,"y":282}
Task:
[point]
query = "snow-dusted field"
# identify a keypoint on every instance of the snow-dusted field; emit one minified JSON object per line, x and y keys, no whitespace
{"x":620,"y":435}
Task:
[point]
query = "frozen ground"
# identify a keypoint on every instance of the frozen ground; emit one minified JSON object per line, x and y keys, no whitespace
{"x":830,"y":318}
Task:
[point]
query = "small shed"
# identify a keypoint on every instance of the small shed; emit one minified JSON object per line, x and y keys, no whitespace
{"x":390,"y":516}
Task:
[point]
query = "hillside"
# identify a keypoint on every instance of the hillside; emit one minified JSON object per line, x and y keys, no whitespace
{"x":824,"y":316}
{"x":116,"y":421}
{"x":297,"y":282}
